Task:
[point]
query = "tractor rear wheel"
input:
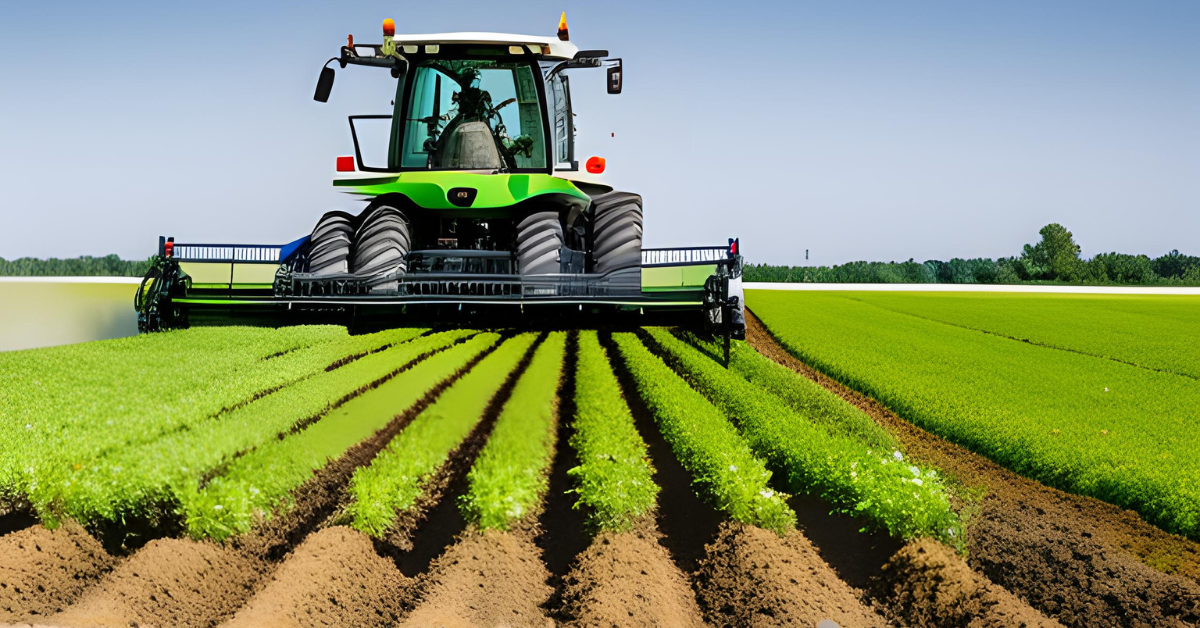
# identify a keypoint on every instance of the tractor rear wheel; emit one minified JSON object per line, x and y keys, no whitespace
{"x":539,"y":238}
{"x":616,"y":231}
{"x":329,"y":248}
{"x":381,"y":242}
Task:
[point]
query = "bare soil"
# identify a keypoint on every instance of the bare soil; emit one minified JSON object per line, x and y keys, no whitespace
{"x":484,"y":580}
{"x":169,"y":582}
{"x":334,"y":578}
{"x":628,"y":579}
{"x":753,"y":577}
{"x":927,"y":584}
{"x":1076,"y":559}
{"x":42,"y":571}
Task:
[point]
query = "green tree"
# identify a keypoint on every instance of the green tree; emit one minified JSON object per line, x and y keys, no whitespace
{"x":1055,"y":257}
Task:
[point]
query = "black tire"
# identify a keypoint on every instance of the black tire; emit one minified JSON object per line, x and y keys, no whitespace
{"x":539,"y":238}
{"x":329,"y":245}
{"x":616,"y":232}
{"x":381,"y":242}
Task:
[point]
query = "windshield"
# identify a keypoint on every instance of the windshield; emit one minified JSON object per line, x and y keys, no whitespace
{"x":473,"y":115}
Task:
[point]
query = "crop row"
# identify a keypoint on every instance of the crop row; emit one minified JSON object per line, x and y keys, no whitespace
{"x":394,"y":481}
{"x":147,"y":386}
{"x":509,"y":476}
{"x":129,"y":481}
{"x":1080,"y":423}
{"x":255,"y":484}
{"x":705,"y":442}
{"x":614,"y":479}
{"x":855,"y":476}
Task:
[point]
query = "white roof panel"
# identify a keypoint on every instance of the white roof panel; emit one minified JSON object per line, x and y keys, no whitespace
{"x":558,"y":48}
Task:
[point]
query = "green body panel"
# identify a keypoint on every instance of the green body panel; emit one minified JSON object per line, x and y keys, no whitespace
{"x":661,"y":278}
{"x":429,"y":189}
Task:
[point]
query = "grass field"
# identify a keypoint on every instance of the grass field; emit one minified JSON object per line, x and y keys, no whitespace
{"x":1094,"y":395}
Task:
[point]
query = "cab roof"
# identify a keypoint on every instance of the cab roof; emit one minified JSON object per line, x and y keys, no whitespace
{"x":558,"y":49}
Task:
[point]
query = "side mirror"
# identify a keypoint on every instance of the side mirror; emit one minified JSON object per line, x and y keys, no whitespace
{"x":324,"y":85}
{"x":615,"y":78}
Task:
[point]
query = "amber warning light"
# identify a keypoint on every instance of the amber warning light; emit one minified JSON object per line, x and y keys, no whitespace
{"x":389,"y":27}
{"x":562,"y":28}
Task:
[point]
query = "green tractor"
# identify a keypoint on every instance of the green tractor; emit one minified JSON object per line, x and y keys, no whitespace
{"x":476,"y":209}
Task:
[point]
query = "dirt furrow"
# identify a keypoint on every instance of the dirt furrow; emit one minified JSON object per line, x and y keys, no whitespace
{"x":43,"y":571}
{"x":926,"y":584}
{"x":628,"y":579}
{"x":1074,"y":558}
{"x":485,"y":579}
{"x":334,"y":578}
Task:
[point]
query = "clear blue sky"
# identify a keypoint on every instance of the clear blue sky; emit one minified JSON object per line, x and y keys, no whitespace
{"x":858,"y":130}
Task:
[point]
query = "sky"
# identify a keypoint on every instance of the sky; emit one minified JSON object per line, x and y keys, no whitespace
{"x":866,"y":130}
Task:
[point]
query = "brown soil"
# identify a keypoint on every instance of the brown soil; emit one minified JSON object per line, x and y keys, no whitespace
{"x":485,"y":580}
{"x":169,"y":582}
{"x":45,"y":570}
{"x":753,"y":577}
{"x":628,"y":579}
{"x":926,"y":584}
{"x":334,"y":578}
{"x":1077,"y":559}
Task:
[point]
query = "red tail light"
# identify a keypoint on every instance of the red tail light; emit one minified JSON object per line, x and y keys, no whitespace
{"x":595,"y":165}
{"x":169,"y":248}
{"x":345,"y":164}
{"x":733,"y":247}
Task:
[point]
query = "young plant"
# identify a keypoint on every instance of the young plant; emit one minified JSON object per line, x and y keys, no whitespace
{"x":880,"y":486}
{"x":706,"y":443}
{"x":614,"y":479}
{"x":509,"y":477}
{"x":259,"y":482}
{"x":396,"y":478}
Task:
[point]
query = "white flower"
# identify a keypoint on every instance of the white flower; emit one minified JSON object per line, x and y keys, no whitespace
{"x":1106,"y":389}
{"x":733,"y":467}
{"x":767,"y":493}
{"x":915,"y":471}
{"x":854,"y":465}
{"x":853,"y":475}
{"x":917,"y":481}
{"x":950,"y":532}
{"x":218,"y":507}
{"x":28,"y":426}
{"x":898,"y":456}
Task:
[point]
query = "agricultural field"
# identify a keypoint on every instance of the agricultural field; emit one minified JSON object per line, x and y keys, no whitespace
{"x":1094,"y":396}
{"x":415,"y":477}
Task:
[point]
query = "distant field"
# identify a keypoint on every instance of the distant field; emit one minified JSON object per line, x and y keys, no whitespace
{"x":1096,"y":395}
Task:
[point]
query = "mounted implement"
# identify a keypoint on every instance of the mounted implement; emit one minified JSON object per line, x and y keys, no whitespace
{"x":476,"y":210}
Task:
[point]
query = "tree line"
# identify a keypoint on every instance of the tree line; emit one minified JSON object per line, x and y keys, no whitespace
{"x":84,"y":266}
{"x":1053,"y":259}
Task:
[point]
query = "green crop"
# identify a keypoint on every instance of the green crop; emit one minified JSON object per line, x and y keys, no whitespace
{"x":63,"y":406}
{"x":706,"y":443}
{"x":1081,"y":423}
{"x":262,"y":480}
{"x":395,"y":479}
{"x":1153,"y":331}
{"x":876,"y":484}
{"x":614,"y":479}
{"x":509,"y":478}
{"x":806,"y":397}
{"x":132,"y":480}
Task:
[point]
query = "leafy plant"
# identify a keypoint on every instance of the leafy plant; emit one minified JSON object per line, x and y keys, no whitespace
{"x":879,"y":485}
{"x":614,"y":479}
{"x":396,"y":478}
{"x":257,"y":483}
{"x":706,"y":443}
{"x":509,"y":477}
